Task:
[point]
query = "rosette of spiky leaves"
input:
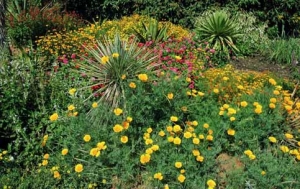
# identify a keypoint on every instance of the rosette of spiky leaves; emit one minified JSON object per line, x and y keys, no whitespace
{"x":123,"y":59}
{"x":220,"y":30}
{"x":152,"y":31}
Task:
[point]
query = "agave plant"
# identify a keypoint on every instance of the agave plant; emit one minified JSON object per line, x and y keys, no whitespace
{"x":110,"y":63}
{"x":151,"y":32}
{"x":220,"y":30}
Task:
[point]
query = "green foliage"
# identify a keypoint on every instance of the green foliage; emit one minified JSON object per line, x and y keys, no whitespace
{"x":283,"y":51}
{"x":281,"y":16}
{"x":220,"y":30}
{"x":159,"y":112}
{"x":27,"y":23}
{"x":111,"y":62}
{"x":151,"y":32}
{"x":177,"y":12}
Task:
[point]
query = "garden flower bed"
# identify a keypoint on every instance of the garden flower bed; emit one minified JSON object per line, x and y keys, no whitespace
{"x":123,"y":114}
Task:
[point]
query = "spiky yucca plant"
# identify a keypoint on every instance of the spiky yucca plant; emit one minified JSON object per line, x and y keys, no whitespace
{"x":220,"y":30}
{"x":112,"y":61}
{"x":151,"y":31}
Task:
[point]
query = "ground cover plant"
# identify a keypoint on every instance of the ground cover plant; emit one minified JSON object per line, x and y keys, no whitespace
{"x":112,"y":112}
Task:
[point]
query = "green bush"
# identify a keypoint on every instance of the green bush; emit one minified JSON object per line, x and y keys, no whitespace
{"x":25,"y":25}
{"x":220,"y":30}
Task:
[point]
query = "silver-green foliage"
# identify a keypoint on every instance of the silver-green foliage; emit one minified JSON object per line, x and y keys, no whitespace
{"x":131,"y":61}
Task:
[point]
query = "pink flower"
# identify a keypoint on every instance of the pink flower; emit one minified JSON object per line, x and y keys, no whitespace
{"x":73,"y":56}
{"x":212,"y":51}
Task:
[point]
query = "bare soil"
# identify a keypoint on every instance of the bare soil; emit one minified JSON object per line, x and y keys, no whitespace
{"x":261,"y":64}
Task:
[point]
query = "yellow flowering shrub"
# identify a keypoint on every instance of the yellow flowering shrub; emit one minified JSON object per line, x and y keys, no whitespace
{"x":67,"y":43}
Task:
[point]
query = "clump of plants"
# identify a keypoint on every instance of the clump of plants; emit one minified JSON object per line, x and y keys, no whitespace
{"x":28,"y":23}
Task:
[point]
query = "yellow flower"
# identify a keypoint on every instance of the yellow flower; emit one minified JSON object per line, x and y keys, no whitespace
{"x":206,"y":125}
{"x":46,"y":156}
{"x":115,"y":55}
{"x":196,"y":141}
{"x":56,"y":175}
{"x":177,"y":128}
{"x":170,"y":139}
{"x":211,"y":183}
{"x":276,"y":92}
{"x":225,"y":78}
{"x":95,"y":152}
{"x":101,"y":145}
{"x":174,"y":118}
{"x":155,"y":147}
{"x":196,"y":153}
{"x":248,"y":152}
{"x":124,"y":139}
{"x":263,"y":173}
{"x":244,"y":103}
{"x":132,"y":85}
{"x":145,"y":158}
{"x":87,"y":138}
{"x":288,"y":108}
{"x":118,"y":128}
{"x":177,"y":141}
{"x":170,"y":96}
{"x":201,"y":93}
{"x":231,"y":132}
{"x":148,"y":141}
{"x":187,"y":135}
{"x":118,"y":111}
{"x":143,"y":77}
{"x":166,"y":186}
{"x":258,"y":110}
{"x":95,"y":105}
{"x":252,"y":156}
{"x":123,"y":76}
{"x":161,"y":133}
{"x":149,"y":130}
{"x":231,"y":111}
{"x":200,"y":158}
{"x":273,"y":100}
{"x":71,"y":107}
{"x":54,"y":117}
{"x":178,"y":164}
{"x":272,"y":106}
{"x":129,"y":119}
{"x":158,"y":176}
{"x":209,"y":137}
{"x":188,"y":79}
{"x":284,"y":149}
{"x":216,"y":91}
{"x":272,"y":139}
{"x":72,"y":91}
{"x":64,"y":151}
{"x":181,"y":178}
{"x":104,"y":59}
{"x":288,"y":136}
{"x":78,"y":168}
{"x":177,"y":57}
{"x":272,"y":81}
{"x":232,"y":118}
{"x":149,"y":151}
{"x":225,"y":106}
{"x":45,"y":162}
{"x":194,"y":123}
